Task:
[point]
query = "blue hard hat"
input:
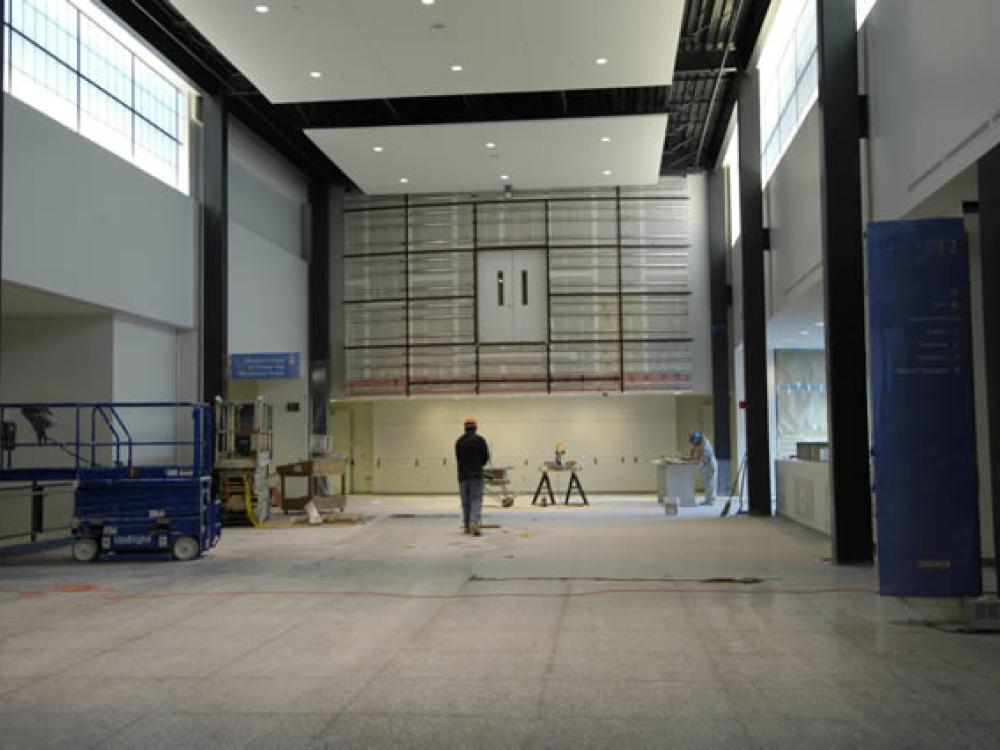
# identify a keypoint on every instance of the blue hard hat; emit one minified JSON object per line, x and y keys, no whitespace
{"x":695,"y":436}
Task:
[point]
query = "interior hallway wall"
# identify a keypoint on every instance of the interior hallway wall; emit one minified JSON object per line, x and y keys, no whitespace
{"x":615,"y":439}
{"x":934,"y":95}
{"x":268,"y":280}
{"x":145,"y":369}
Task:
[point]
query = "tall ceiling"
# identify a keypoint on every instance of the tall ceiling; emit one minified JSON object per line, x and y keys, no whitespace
{"x":326,"y":81}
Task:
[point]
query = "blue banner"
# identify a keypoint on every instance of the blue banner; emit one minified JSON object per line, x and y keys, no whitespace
{"x":926,"y":504}
{"x":266,"y":366}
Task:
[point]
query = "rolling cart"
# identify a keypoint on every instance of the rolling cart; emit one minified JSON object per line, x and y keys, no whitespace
{"x":497,"y":485}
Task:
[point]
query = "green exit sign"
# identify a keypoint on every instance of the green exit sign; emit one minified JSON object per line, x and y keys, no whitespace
{"x":293,"y":406}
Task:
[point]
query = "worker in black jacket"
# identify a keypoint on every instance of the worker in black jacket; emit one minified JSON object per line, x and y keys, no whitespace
{"x":472,"y":454}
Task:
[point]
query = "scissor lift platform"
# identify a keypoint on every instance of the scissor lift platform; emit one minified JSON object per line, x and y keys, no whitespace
{"x":123,"y":507}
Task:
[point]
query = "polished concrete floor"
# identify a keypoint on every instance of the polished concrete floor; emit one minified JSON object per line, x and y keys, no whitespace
{"x":607,"y":626}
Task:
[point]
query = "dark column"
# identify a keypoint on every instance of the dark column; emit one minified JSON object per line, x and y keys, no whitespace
{"x":843,"y":281}
{"x":754,"y":300}
{"x":319,"y":310}
{"x":989,"y":229}
{"x":3,"y":39}
{"x":718,"y":260}
{"x":215,"y":247}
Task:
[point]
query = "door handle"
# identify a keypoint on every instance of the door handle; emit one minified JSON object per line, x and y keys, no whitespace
{"x":524,"y":288}
{"x":500,"y":295}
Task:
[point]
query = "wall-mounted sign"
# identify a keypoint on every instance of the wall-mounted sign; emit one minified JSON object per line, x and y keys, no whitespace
{"x":266,"y":366}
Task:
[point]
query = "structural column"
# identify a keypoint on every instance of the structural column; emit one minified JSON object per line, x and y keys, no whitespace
{"x":754,"y":300}
{"x":989,"y":228}
{"x":843,"y":281}
{"x":319,"y":310}
{"x":215,"y":247}
{"x":718,"y":259}
{"x":3,"y":39}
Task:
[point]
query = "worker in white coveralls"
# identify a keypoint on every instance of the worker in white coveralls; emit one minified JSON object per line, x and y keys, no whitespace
{"x":701,"y":450}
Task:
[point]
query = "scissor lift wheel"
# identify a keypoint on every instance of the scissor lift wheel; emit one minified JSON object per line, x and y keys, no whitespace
{"x":85,"y":549}
{"x":186,"y":548}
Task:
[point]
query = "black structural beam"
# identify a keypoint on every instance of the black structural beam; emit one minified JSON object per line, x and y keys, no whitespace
{"x":215,"y":247}
{"x":843,"y":281}
{"x":434,"y":110}
{"x":754,"y":300}
{"x":319,"y":309}
{"x":989,"y":228}
{"x":718,"y":260}
{"x":3,"y":40}
{"x":698,"y":61}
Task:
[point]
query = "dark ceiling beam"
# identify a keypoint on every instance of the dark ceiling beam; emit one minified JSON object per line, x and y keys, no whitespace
{"x":701,"y":61}
{"x":435,"y":110}
{"x":181,"y":44}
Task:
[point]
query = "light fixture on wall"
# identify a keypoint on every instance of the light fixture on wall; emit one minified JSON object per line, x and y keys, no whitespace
{"x":378,"y":149}
{"x":601,"y":61}
{"x":315,"y":74}
{"x":490,"y":144}
{"x":457,"y":68}
{"x":606,"y":173}
{"x":427,"y":2}
{"x":261,"y":9}
{"x":404,"y":180}
{"x":505,"y":177}
{"x":605,"y":139}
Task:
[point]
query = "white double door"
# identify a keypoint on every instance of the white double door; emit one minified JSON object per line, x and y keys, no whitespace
{"x":512,"y":291}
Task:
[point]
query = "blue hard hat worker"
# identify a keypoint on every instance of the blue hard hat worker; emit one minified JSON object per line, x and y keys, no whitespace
{"x":701,"y":450}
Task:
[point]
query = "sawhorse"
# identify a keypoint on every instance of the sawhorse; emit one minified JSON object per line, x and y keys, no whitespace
{"x":574,"y":480}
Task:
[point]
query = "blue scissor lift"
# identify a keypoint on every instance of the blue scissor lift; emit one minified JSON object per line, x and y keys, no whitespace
{"x":124,"y":505}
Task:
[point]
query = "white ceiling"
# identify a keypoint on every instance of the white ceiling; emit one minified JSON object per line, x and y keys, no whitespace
{"x":367,"y":49}
{"x":25,"y":301}
{"x":535,"y":154}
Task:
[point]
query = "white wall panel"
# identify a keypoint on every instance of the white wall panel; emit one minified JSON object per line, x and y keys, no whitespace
{"x":934,"y":93}
{"x":83,"y":223}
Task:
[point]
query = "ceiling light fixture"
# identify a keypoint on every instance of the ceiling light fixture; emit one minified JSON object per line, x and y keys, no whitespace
{"x":606,"y":173}
{"x":378,"y":149}
{"x":456,"y":68}
{"x":491,"y":144}
{"x":315,"y":74}
{"x":820,"y":324}
{"x":505,"y":177}
{"x":601,"y":61}
{"x":261,"y":9}
{"x":605,"y":139}
{"x":404,"y":180}
{"x":427,"y":2}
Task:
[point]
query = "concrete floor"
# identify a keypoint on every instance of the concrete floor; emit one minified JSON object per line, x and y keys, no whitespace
{"x":567,"y":627}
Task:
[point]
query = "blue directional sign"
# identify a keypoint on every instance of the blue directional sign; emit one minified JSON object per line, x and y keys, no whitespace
{"x":266,"y":366}
{"x":926,"y":502}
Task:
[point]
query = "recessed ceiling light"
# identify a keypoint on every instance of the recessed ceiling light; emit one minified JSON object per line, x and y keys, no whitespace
{"x":378,"y":149}
{"x":404,"y":180}
{"x":606,"y":173}
{"x":820,"y":324}
{"x":261,"y":8}
{"x":505,"y":177}
{"x":605,"y":139}
{"x":456,"y":68}
{"x":427,"y":2}
{"x":491,"y":144}
{"x":315,"y":74}
{"x":601,"y":61}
